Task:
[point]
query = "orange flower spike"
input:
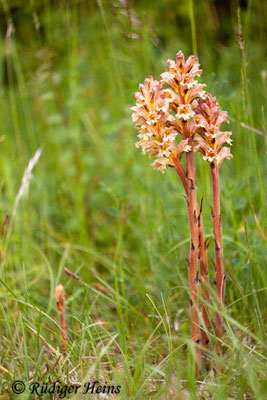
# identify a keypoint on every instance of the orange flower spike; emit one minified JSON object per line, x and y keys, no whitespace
{"x":208,"y":121}
{"x":152,"y":119}
{"x":160,"y":115}
{"x":181,"y":79}
{"x":211,"y":144}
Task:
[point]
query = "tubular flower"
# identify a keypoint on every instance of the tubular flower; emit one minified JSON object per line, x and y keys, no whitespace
{"x":160,"y":114}
{"x":208,"y":122}
{"x":184,"y":110}
{"x":184,"y":89}
{"x":151,"y":116}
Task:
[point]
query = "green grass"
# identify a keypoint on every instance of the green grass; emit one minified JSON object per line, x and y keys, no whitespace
{"x":69,"y":71}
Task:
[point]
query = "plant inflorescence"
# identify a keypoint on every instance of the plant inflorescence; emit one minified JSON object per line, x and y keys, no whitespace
{"x":175,"y":116}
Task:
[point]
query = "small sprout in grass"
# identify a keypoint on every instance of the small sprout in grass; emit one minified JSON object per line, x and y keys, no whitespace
{"x":3,"y":232}
{"x":60,"y":298}
{"x":168,"y":120}
{"x":4,"y":225}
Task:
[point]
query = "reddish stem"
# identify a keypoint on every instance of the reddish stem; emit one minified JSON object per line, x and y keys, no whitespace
{"x":217,"y":230}
{"x":202,"y":257}
{"x":181,"y":172}
{"x":63,"y":331}
{"x":193,"y":273}
{"x":204,"y":272}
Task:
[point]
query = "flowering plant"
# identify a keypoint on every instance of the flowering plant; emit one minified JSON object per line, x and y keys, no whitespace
{"x":183,"y":118}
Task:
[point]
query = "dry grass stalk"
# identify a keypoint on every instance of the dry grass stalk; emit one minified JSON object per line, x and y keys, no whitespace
{"x":27,"y":176}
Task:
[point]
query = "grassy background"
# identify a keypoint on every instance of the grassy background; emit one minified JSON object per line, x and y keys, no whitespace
{"x":69,"y":71}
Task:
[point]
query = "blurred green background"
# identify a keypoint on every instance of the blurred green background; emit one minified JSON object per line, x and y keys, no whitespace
{"x":68,"y":73}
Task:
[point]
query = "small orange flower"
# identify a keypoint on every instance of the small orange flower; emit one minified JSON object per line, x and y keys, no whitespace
{"x":208,"y":121}
{"x":181,"y":79}
{"x":159,"y":114}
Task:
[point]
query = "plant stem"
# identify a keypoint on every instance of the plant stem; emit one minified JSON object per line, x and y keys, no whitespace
{"x":193,"y":25}
{"x":193,"y":273}
{"x":202,"y":258}
{"x":63,"y":331}
{"x":217,"y":230}
{"x":181,"y":172}
{"x":204,"y":272}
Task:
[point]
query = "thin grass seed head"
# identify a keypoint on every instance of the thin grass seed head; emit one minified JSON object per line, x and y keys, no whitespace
{"x":27,"y":176}
{"x":212,"y":140}
{"x":24,"y":187}
{"x":160,"y":114}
